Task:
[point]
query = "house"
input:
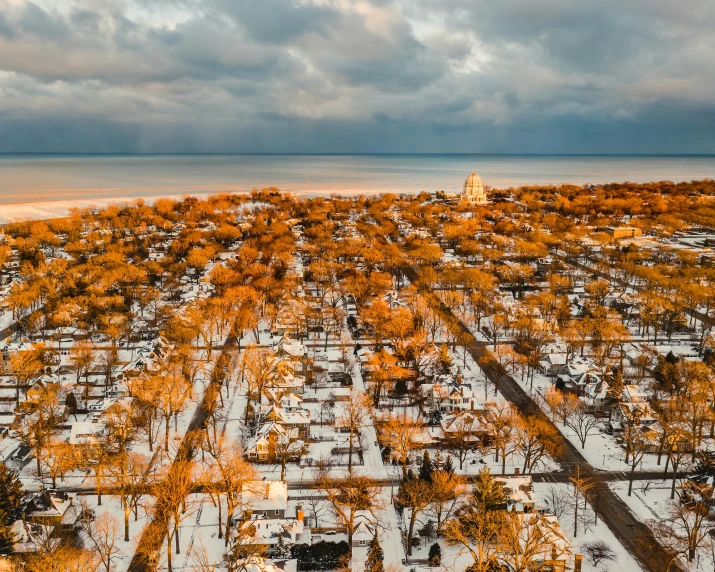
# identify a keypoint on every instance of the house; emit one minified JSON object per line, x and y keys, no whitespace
{"x":553,"y":364}
{"x":286,"y":378}
{"x":149,"y":358}
{"x":362,"y":535}
{"x":266,"y":532}
{"x":595,"y":395}
{"x":271,"y":438}
{"x":618,"y":232}
{"x":87,"y":433}
{"x":35,"y":391}
{"x":468,"y":425}
{"x":299,"y":419}
{"x":634,"y":394}
{"x":625,"y":411}
{"x":290,"y":349}
{"x":259,"y":564}
{"x":519,"y":493}
{"x":450,"y":394}
{"x":51,"y":508}
{"x":557,"y":549}
{"x":576,"y":375}
{"x":265,"y":498}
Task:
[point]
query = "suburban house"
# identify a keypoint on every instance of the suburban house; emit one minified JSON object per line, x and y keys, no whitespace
{"x":557,"y":550}
{"x":297,"y":419}
{"x":519,"y":493}
{"x":266,"y":532}
{"x":45,"y":514}
{"x":271,"y":438}
{"x":576,"y":375}
{"x":623,"y":412}
{"x":450,"y":395}
{"x":595,"y":395}
{"x":265,"y":498}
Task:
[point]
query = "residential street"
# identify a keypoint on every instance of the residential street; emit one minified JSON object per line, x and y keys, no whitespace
{"x":634,"y":535}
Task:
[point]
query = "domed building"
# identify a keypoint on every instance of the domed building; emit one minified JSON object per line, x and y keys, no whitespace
{"x":473,"y":192}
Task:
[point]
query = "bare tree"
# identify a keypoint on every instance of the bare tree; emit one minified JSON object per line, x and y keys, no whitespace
{"x":447,"y":489}
{"x":582,"y":484}
{"x":400,"y":434}
{"x":103,"y":534}
{"x":526,"y":537}
{"x":417,"y":495}
{"x":557,"y":500}
{"x":352,"y":416}
{"x":462,"y":436}
{"x":474,"y":531}
{"x":129,"y":473}
{"x":582,"y":422}
{"x":230,"y":479}
{"x":171,"y":507}
{"x":637,"y":439}
{"x":353,"y":499}
{"x":598,"y":551}
{"x":685,"y":528}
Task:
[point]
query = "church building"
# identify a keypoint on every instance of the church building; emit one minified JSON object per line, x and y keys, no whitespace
{"x":473,"y":192}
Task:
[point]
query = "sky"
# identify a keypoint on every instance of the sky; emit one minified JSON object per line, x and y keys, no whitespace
{"x":357,"y":76}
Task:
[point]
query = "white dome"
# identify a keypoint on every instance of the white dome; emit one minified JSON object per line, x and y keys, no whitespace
{"x":473,"y":192}
{"x":473,"y":185}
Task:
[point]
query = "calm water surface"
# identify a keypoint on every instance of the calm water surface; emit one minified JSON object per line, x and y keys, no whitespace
{"x":45,"y":178}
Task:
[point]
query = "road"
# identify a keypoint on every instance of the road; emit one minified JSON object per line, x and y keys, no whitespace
{"x":635,"y":536}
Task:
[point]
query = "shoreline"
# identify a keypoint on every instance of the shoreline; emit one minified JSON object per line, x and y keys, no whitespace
{"x":46,"y":210}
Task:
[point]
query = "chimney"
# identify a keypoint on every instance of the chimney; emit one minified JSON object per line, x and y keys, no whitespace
{"x":268,"y":490}
{"x":517,"y":470}
{"x":577,"y":563}
{"x":553,"y":553}
{"x":299,"y":514}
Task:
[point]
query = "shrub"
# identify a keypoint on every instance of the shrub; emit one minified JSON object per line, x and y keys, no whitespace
{"x":434,"y":558}
{"x":322,"y":555}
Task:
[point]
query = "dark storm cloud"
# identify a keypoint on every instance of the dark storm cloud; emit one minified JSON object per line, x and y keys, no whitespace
{"x":357,"y":76}
{"x":278,"y":21}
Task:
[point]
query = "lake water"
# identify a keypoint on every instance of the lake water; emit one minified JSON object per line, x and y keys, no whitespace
{"x":45,"y":185}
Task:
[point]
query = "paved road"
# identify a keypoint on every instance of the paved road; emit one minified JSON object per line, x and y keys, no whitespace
{"x":635,"y":536}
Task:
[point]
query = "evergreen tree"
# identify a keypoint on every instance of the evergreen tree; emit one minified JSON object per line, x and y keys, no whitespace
{"x":426,"y":468}
{"x":71,"y":403}
{"x":10,"y":500}
{"x":438,"y":462}
{"x":375,"y":556}
{"x":487,"y":494}
{"x":283,"y":551}
{"x":615,"y":387}
{"x":445,"y":359}
{"x":448,"y":466}
{"x":706,"y":463}
{"x":434,"y":558}
{"x":435,"y":417}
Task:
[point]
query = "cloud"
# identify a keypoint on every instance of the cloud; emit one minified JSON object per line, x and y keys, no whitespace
{"x":357,"y":76}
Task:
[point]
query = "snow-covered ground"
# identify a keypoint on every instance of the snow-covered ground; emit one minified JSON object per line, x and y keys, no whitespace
{"x":650,"y":502}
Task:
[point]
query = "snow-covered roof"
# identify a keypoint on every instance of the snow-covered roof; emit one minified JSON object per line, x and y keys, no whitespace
{"x":265,"y":495}
{"x":86,"y":432}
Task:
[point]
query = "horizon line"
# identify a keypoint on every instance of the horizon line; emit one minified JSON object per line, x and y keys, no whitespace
{"x":367,"y":154}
